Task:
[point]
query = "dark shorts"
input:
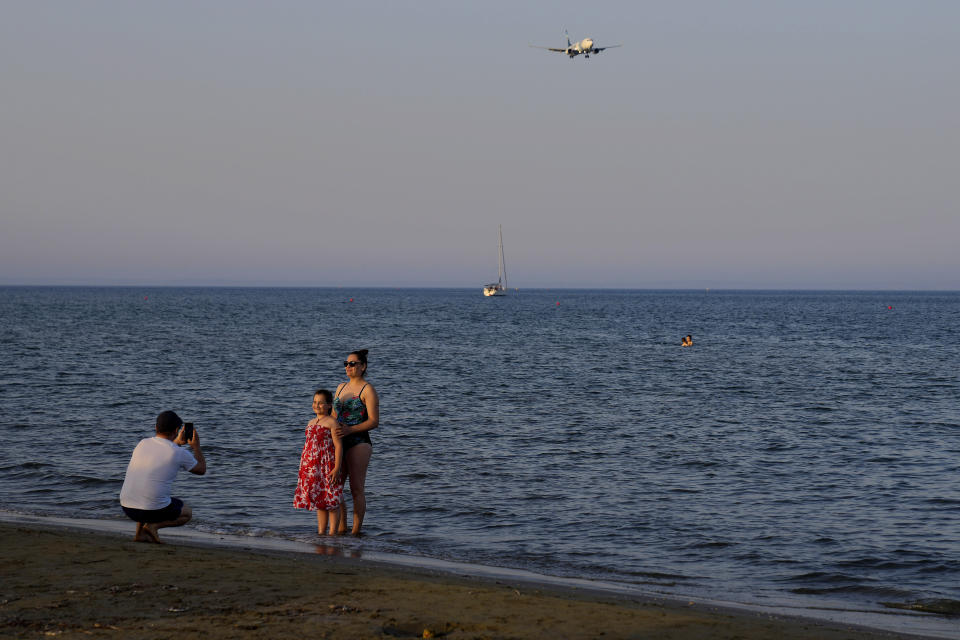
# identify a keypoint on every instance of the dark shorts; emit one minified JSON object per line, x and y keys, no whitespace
{"x":354,"y":439}
{"x":169,"y":512}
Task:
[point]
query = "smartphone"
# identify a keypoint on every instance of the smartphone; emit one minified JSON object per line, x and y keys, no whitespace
{"x":188,"y":431}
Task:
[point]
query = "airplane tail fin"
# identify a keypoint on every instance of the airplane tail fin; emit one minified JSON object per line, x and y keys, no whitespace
{"x":569,"y":44}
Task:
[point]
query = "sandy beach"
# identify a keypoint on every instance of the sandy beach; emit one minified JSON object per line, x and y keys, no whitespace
{"x":68,"y":583}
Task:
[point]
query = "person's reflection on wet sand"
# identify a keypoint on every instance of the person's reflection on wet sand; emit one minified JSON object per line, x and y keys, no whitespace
{"x":333,"y":550}
{"x":327,"y":550}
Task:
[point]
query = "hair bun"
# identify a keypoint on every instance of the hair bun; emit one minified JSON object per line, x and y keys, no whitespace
{"x":362,"y":352}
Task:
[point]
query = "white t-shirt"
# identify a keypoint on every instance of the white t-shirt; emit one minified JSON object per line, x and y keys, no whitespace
{"x":153,"y":466}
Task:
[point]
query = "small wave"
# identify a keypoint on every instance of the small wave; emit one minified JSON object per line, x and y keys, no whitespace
{"x":700,"y":463}
{"x":89,"y":480}
{"x":941,"y":606}
{"x":656,"y":575}
{"x":938,"y":568}
{"x":42,"y":489}
{"x":242,"y":531}
{"x":493,"y":526}
{"x":472,"y":513}
{"x":821,"y":576}
{"x":851,"y":588}
{"x":24,"y":465}
{"x":429,"y":508}
{"x":620,"y":574}
{"x":82,"y":502}
{"x":737,"y":389}
{"x":712,"y":544}
{"x":779,"y":446}
{"x":918,"y":561}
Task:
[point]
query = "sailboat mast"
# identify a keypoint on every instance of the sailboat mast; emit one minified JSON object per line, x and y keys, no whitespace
{"x":503,"y":263}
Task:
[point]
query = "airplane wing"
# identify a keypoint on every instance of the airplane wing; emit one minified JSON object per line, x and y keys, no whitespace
{"x":609,"y":46}
{"x":536,"y":46}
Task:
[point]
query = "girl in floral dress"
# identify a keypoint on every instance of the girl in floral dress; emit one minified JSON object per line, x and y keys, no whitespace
{"x":320,"y":486}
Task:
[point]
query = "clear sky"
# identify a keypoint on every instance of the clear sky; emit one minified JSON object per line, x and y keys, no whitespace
{"x":727,"y":144}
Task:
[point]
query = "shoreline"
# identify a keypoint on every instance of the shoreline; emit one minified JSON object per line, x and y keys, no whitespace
{"x":52,"y":560}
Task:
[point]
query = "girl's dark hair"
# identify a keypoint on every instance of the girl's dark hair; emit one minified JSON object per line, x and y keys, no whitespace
{"x":362,"y":357}
{"x":327,"y":396}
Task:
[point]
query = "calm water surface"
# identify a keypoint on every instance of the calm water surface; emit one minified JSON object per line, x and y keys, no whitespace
{"x":806,"y":448}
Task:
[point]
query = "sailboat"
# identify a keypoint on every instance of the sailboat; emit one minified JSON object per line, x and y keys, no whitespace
{"x":498,"y":288}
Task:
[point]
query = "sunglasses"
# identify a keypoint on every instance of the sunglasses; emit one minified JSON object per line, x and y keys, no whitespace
{"x":351,"y":363}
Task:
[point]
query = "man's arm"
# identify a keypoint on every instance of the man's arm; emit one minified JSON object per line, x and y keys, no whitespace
{"x":201,"y":467}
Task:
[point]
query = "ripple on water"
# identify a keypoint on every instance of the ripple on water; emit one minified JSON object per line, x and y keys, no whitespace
{"x":942,"y":606}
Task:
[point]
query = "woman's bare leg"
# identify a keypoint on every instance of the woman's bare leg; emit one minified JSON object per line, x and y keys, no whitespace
{"x":342,"y":526}
{"x":358,"y":459}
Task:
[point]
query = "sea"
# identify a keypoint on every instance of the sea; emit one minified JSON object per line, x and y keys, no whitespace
{"x":803,"y":453}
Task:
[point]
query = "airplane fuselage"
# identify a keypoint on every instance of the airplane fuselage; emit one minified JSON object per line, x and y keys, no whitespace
{"x":585,"y":46}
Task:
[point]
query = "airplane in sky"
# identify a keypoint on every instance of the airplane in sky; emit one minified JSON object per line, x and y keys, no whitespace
{"x":573,"y":49}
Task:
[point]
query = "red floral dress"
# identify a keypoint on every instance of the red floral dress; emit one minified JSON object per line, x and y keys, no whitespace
{"x":318,"y":459}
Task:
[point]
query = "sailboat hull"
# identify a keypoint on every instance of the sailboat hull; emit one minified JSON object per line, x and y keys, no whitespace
{"x":494,"y":290}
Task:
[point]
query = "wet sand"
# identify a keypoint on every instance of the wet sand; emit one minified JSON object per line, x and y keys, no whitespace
{"x":68,"y":583}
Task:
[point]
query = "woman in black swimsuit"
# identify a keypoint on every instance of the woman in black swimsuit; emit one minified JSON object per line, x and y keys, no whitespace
{"x":356,"y":408}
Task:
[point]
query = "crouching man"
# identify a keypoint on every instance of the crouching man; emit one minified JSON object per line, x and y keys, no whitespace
{"x":145,"y":496}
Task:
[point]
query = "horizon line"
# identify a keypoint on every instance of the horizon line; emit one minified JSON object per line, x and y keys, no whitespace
{"x":467,"y":288}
